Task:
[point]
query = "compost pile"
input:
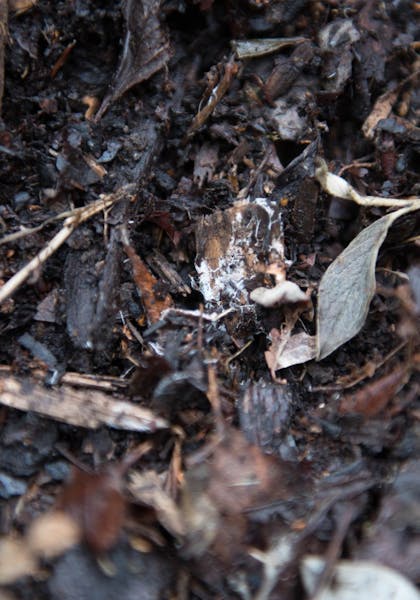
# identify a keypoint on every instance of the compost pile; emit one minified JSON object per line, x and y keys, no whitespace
{"x":209,"y":299}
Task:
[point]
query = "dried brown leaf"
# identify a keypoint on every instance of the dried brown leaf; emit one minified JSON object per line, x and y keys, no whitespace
{"x":373,"y":397}
{"x":145,"y":50}
{"x":298,"y":349}
{"x":95,"y":502}
{"x":381,"y":110}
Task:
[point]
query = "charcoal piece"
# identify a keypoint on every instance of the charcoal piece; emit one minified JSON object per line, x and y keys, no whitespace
{"x":25,"y":443}
{"x":106,"y":306}
{"x":91,"y":298}
{"x":296,"y":184}
{"x":11,"y":486}
{"x":81,"y":291}
{"x":138,"y":576}
{"x":264,"y":414}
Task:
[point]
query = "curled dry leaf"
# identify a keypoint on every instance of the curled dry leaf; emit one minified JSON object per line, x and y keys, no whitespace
{"x":261,"y":47}
{"x":384,"y":104}
{"x":298,"y":349}
{"x":348,"y":285}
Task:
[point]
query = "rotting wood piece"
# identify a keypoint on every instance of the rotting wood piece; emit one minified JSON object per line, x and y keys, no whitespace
{"x":234,"y":247}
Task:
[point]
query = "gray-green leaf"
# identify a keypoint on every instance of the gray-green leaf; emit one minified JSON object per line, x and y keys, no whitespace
{"x":348,"y":286}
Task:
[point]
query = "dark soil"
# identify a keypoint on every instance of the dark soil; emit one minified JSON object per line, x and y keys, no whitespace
{"x":149,"y":103}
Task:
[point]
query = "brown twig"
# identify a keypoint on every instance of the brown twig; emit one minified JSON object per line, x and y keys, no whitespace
{"x":70,"y":224}
{"x":219,"y":91}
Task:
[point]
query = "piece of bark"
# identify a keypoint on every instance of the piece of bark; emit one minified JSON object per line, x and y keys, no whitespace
{"x":287,"y":71}
{"x":231,"y":246}
{"x":83,"y":408}
{"x":264,"y":415}
{"x":81,"y":292}
{"x":107,"y":299}
{"x":296,"y":186}
{"x":92,"y":296}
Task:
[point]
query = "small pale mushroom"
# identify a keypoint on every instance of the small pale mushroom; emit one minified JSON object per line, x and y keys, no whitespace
{"x":285,"y":292}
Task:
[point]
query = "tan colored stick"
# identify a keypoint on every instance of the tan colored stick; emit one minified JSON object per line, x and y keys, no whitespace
{"x":70,"y":224}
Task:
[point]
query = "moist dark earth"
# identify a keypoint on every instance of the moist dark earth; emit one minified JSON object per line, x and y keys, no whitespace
{"x":152,"y":442}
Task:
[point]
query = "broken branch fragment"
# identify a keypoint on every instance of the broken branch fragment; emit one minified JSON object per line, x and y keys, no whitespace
{"x":231,"y":69}
{"x":89,"y":409}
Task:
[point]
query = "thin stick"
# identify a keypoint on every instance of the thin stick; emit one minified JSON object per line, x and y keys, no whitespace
{"x":69,"y":225}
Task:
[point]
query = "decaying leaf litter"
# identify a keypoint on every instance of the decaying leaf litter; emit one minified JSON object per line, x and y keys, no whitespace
{"x":209,"y":300}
